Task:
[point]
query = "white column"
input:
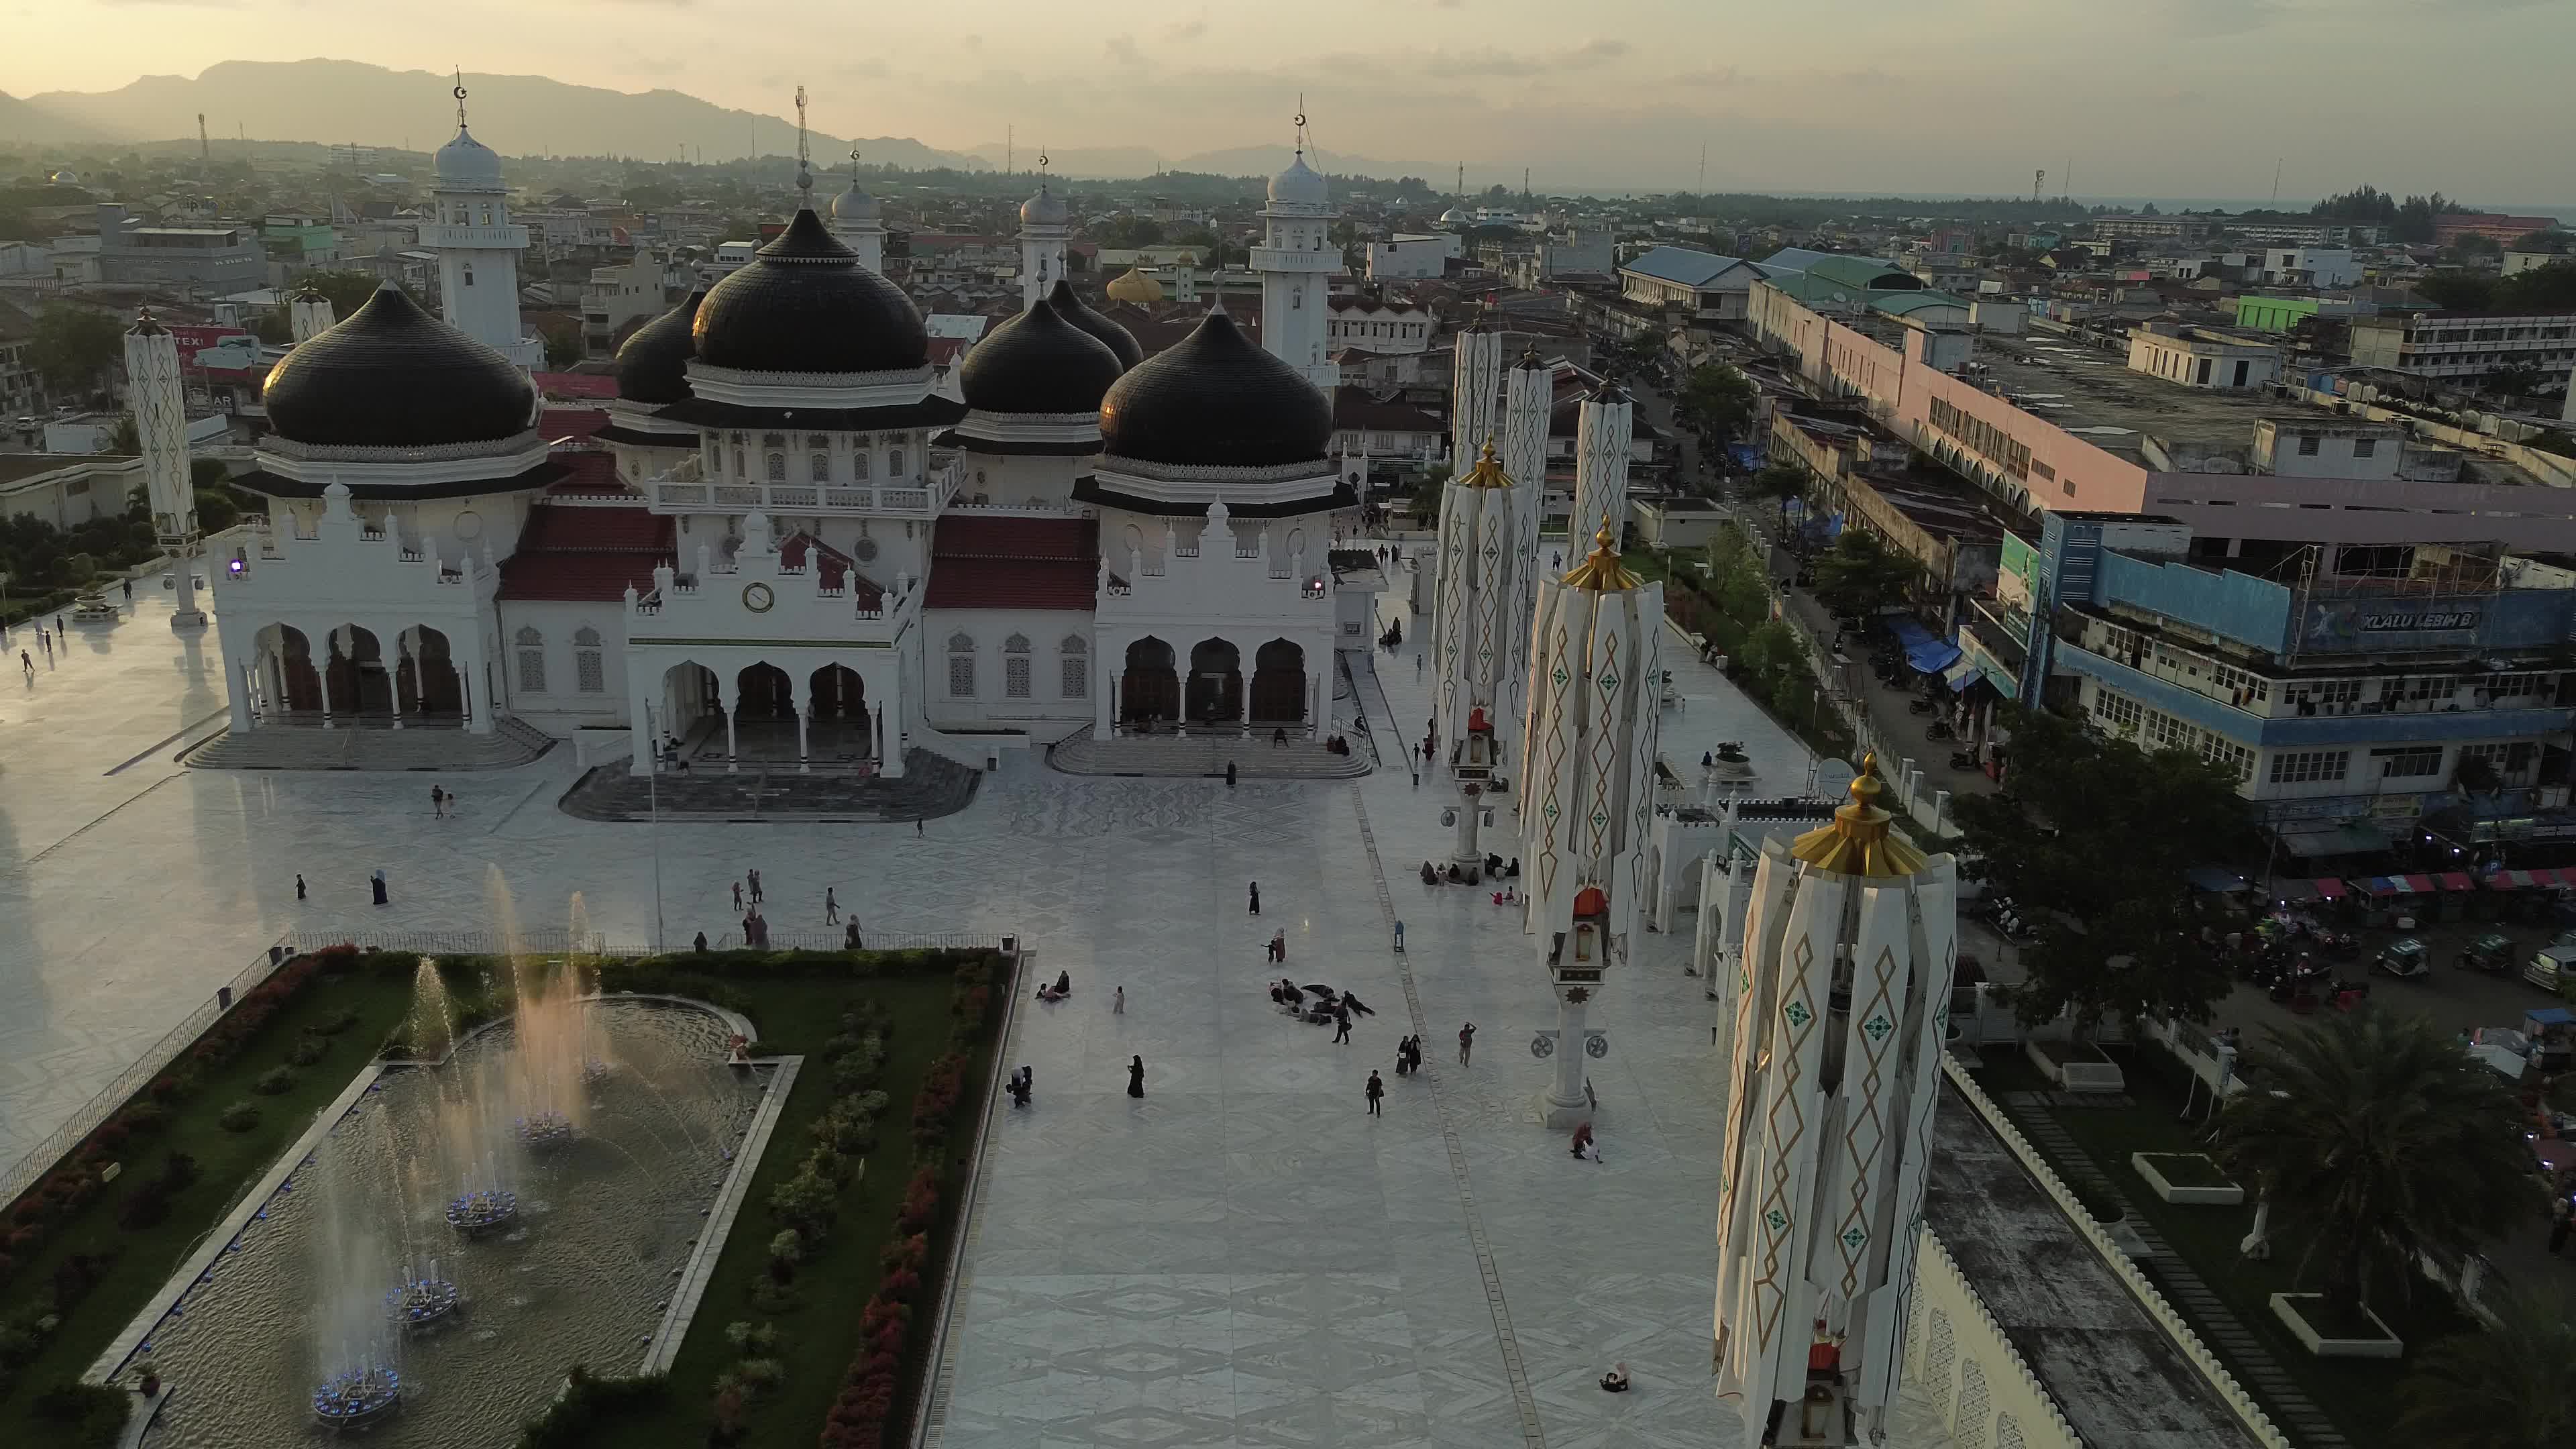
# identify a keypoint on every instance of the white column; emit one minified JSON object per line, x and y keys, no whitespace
{"x":1105,"y":712}
{"x":1243,"y":689}
{"x":639,"y":718}
{"x":728,"y":692}
{"x":1319,"y":689}
{"x":890,"y":717}
{"x":804,"y":707}
{"x":1566,"y":1095}
{"x":486,"y":718}
{"x":1470,"y":805}
{"x":402,"y":654}
{"x":240,"y":679}
{"x":330,"y":637}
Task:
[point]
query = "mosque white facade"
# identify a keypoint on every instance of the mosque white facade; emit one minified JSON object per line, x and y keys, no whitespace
{"x":801,"y":550}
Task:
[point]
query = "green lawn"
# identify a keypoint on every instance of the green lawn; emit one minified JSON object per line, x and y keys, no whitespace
{"x":795,"y":1014}
{"x":228,"y":1161}
{"x":2359,"y":1395}
{"x":819,"y":1337}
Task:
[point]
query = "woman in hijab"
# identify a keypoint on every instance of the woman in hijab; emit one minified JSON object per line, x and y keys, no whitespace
{"x":1135,"y":1076}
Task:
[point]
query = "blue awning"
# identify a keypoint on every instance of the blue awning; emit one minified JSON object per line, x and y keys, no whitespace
{"x":1926,"y":651}
{"x":1961,"y":674}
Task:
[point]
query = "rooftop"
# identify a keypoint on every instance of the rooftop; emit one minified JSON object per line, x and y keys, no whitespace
{"x":2090,"y":392}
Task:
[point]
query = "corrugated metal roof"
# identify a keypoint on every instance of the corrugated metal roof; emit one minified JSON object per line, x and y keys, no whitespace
{"x":1681,"y":265}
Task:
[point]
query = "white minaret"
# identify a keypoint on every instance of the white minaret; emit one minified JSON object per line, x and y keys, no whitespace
{"x":1296,"y":260}
{"x":1602,"y":432}
{"x":1045,"y":223}
{"x":1529,"y":396}
{"x":1475,"y":383}
{"x":161,"y":422}
{"x":1588,"y":790}
{"x":309,"y":315}
{"x":1480,"y":626}
{"x":1840,"y":1007}
{"x":478,"y":249}
{"x":859,"y":222}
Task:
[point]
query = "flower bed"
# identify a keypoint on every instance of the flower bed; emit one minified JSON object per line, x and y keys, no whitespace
{"x":2330,"y":1334}
{"x":2190,"y":1178}
{"x":2077,"y":1066}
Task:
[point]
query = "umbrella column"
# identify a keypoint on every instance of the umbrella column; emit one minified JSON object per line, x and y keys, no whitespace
{"x":1480,"y":613}
{"x":1588,"y":783}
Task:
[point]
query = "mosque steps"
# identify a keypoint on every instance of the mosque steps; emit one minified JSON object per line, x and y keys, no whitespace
{"x":311,"y":747}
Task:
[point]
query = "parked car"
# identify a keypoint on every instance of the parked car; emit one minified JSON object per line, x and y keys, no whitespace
{"x":2404,"y":959}
{"x":2553,"y":968}
{"x":2491,"y":953}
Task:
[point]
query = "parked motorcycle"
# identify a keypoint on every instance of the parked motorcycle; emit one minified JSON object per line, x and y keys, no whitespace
{"x":1940,"y":729}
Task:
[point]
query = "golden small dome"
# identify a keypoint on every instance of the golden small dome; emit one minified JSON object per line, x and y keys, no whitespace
{"x":1602,"y":572}
{"x":1134,"y":286}
{"x":1488,"y":472}
{"x":1861,"y":841}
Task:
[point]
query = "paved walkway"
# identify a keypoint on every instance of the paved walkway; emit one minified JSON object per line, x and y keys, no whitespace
{"x":932,"y":785}
{"x":1243,"y":1257}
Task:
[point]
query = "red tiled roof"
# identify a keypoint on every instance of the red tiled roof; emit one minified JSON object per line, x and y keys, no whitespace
{"x":577,"y":384}
{"x":1014,"y":563}
{"x":1355,"y":409}
{"x":838,"y":568}
{"x":575,"y":423}
{"x":590,"y":471}
{"x":944,"y":351}
{"x":585,"y":554}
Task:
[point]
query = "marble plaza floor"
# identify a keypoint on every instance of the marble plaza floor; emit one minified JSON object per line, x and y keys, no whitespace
{"x":1241,"y":1258}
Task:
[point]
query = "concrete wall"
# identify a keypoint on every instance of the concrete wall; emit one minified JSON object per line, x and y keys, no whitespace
{"x":1957,"y":1355}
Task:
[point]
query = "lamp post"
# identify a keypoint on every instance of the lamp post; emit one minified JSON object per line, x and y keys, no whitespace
{"x":653,"y":822}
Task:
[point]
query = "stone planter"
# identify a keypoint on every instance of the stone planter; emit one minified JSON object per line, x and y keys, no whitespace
{"x":2288,"y":1308}
{"x":2076,"y":1066}
{"x":2153,"y":1166}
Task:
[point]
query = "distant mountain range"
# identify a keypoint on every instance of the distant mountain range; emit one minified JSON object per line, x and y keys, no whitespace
{"x":1119,"y":163}
{"x":342,"y":101}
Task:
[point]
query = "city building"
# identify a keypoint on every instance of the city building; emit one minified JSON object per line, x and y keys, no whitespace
{"x":1701,"y":285}
{"x":67,"y":491}
{"x":2306,"y":233}
{"x":2151,"y":228}
{"x":1409,"y":256}
{"x":1377,"y":323}
{"x":2464,"y":344}
{"x":2203,"y":357}
{"x":2321,"y":267}
{"x":2518,"y":262}
{"x":616,"y":298}
{"x":201,"y":261}
{"x":2494,"y":226}
{"x":2343,"y":685}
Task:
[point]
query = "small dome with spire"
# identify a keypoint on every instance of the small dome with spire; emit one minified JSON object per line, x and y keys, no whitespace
{"x":1133,"y":286}
{"x":1073,"y":309}
{"x":1299,"y":185}
{"x":1044,"y":209}
{"x":854,"y":204}
{"x":466,"y":164}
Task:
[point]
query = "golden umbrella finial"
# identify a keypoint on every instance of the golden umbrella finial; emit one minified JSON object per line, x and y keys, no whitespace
{"x":1862,"y":839}
{"x":1602,"y":572}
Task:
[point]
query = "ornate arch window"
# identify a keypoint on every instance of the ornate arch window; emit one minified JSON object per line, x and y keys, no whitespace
{"x":773,"y":440}
{"x":589,"y":662}
{"x":894,"y":465}
{"x":818,"y":467}
{"x":1015,"y":667}
{"x":818,"y":443}
{"x":961,"y":666}
{"x":778,"y":467}
{"x":1074,"y":657}
{"x":531,"y":647}
{"x":469,"y":274}
{"x":860,"y":459}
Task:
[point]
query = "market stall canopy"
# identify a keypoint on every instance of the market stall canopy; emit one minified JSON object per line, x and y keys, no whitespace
{"x":2335,"y":840}
{"x":2214,"y":878}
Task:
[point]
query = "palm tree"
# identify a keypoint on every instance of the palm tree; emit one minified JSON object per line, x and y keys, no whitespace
{"x":2377,"y":1143}
{"x":2505,"y":1389}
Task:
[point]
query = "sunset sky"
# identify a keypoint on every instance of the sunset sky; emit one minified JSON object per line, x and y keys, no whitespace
{"x":2191,"y":98}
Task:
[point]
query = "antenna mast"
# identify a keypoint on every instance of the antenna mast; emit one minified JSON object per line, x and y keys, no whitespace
{"x":804,"y":156}
{"x":205,"y":151}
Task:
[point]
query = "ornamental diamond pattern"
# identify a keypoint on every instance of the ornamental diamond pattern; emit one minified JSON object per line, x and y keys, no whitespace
{"x":1797,"y":1013}
{"x":1853,"y":1238}
{"x":1778,"y":1220}
{"x":1877,"y":1028}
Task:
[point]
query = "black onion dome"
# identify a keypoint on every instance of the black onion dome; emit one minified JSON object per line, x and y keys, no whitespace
{"x":804,"y":304}
{"x":653,"y":365}
{"x":1038,"y":362}
{"x":392,"y":376}
{"x":1215,"y":400}
{"x":1072,"y":309}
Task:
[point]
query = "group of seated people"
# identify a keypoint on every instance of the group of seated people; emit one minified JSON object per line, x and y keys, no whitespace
{"x":1337,"y":745}
{"x":1507,"y":896}
{"x":1062,"y":988}
{"x":1454,"y":874}
{"x":1022,"y":1081}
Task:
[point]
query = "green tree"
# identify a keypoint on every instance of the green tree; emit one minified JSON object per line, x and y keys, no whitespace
{"x":2377,"y":1144}
{"x":2458,"y":291}
{"x":1782,"y":481}
{"x":74,"y":347}
{"x":2092,"y":842}
{"x":127,"y":438}
{"x":1717,"y":401}
{"x":1861,"y":575}
{"x":346,"y":291}
{"x":1121,"y":233}
{"x":2513,"y":380}
{"x":563,"y":349}
{"x":2506,"y":1388}
{"x":273,"y":328}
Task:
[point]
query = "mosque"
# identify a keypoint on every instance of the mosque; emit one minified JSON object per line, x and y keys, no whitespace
{"x":806,"y":550}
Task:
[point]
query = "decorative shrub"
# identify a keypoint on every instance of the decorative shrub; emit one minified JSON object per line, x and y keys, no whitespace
{"x":309,"y":1049}
{"x":241,"y":1116}
{"x":274,"y":1081}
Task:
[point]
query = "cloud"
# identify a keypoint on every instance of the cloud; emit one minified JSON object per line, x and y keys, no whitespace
{"x":1190,"y":29}
{"x":1122,"y":48}
{"x":1599,"y":49}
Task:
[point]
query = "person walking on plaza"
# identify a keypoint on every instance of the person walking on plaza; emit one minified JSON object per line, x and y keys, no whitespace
{"x":737,"y":898}
{"x":754,"y":877}
{"x":1342,"y":1024}
{"x":28,"y":665}
{"x":437,"y":803}
{"x":299,"y":885}
{"x":1135,"y":1076}
{"x":376,"y":884}
{"x":1229,"y":774}
{"x":831,"y":908}
{"x":1466,"y":1042}
{"x":1256,"y":897}
{"x":917,"y":832}
{"x":1376,"y":1094}
{"x":129,"y":591}
{"x":1118,"y":1002}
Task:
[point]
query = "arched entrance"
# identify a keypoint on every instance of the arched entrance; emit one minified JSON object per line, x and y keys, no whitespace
{"x":297,"y":682}
{"x":1216,"y":682}
{"x":426,"y":677}
{"x":1279,"y":684}
{"x":841,"y":731}
{"x":1150,"y":689}
{"x":355,"y":682}
{"x":764,"y":694}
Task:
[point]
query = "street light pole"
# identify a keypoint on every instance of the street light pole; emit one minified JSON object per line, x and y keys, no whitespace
{"x":653,"y":821}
